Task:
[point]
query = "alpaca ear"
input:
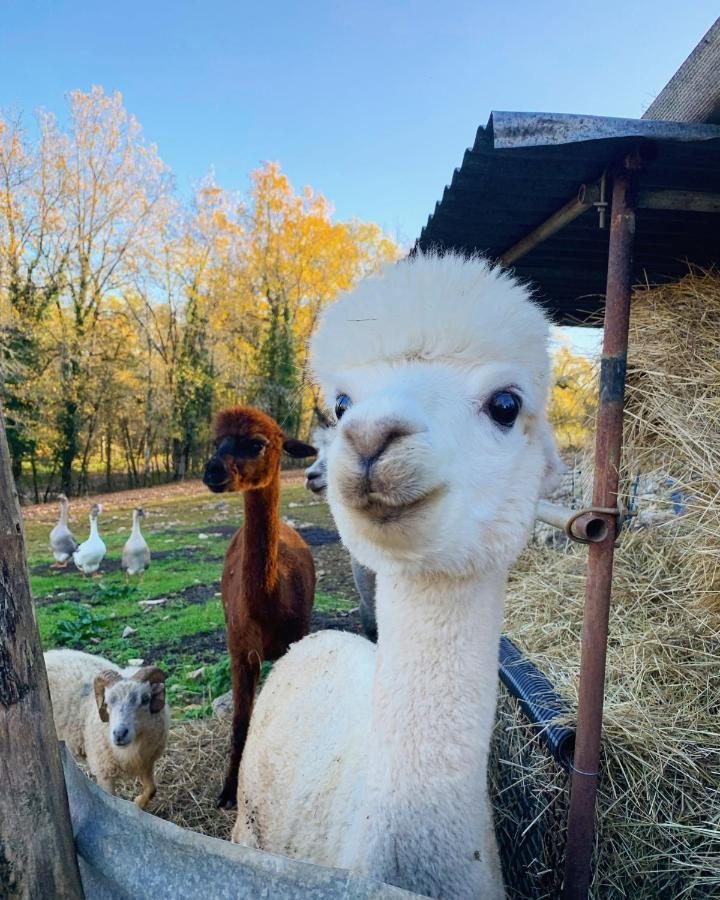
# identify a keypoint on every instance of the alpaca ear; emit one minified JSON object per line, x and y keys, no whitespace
{"x":297,"y":449}
{"x":103,"y":681}
{"x":554,"y":466}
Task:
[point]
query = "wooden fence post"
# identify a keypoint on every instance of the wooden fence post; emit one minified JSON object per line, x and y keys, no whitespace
{"x":37,"y":851}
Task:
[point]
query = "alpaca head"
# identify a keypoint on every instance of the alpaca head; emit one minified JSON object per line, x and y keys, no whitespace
{"x":248,"y":448}
{"x":438,"y":371}
{"x":316,"y":474}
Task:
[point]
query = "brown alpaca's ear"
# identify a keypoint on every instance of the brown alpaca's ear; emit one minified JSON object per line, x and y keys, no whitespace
{"x":156,"y":678}
{"x":297,"y":449}
{"x":103,"y":681}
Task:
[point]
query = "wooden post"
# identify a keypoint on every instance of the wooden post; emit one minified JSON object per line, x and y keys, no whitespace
{"x":37,"y":851}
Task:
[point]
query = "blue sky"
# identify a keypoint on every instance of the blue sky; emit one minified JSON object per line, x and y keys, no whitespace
{"x":372,"y":103}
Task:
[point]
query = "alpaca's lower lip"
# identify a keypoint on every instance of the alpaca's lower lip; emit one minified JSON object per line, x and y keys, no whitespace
{"x":384,"y":512}
{"x":217,"y":486}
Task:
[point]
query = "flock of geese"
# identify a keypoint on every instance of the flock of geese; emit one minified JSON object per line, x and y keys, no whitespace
{"x":88,"y":555}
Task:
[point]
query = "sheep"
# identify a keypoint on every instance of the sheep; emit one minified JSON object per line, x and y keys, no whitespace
{"x":268,"y":581}
{"x":375,"y":758}
{"x":364,"y":578}
{"x":115,"y":719}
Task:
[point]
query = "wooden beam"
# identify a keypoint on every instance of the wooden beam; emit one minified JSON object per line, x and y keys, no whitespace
{"x":567,"y":213}
{"x":37,"y":851}
{"x":685,"y":201}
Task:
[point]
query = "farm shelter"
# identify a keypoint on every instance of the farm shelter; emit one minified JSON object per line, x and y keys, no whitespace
{"x":585,"y":207}
{"x":36,"y":830}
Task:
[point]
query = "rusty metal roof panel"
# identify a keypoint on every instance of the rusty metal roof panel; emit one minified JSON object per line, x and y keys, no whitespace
{"x":524,"y":166}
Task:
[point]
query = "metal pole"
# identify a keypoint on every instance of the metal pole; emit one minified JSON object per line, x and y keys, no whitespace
{"x":37,"y":850}
{"x":608,"y":446}
{"x":566,"y":214}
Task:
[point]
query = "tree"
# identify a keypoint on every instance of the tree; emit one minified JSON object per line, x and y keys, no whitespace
{"x":113,"y":183}
{"x":572,"y":399}
{"x":127,"y":316}
{"x":298,"y":260}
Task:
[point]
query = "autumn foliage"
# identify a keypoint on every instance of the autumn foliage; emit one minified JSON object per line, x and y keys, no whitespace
{"x":128,"y":315}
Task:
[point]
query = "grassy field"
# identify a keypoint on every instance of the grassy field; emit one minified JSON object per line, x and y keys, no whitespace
{"x":188,"y":530}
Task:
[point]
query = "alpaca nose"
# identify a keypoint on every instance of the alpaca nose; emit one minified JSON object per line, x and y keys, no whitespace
{"x":371,"y":440}
{"x":120,"y":735}
{"x":215,"y":472}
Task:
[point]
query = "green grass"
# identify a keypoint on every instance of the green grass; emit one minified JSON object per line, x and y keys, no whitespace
{"x":182,"y":634}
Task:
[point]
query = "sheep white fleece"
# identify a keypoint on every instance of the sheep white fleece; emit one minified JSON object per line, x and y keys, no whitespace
{"x":71,"y":676}
{"x":376,"y":759}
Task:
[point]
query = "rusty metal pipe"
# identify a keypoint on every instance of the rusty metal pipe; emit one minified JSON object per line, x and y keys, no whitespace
{"x":567,"y":213}
{"x":608,"y":447}
{"x":588,"y":528}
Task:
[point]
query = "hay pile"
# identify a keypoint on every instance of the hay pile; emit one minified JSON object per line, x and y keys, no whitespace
{"x":659,"y":804}
{"x":190,"y":775}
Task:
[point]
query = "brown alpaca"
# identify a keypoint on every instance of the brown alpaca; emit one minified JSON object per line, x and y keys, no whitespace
{"x":268,"y":582}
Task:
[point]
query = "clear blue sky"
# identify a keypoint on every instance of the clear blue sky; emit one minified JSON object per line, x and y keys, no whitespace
{"x":372,"y":103}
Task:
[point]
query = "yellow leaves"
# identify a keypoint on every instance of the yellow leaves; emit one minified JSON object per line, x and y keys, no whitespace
{"x":572,"y":399}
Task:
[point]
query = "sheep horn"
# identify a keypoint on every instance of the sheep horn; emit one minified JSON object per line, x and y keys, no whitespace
{"x":102,"y":681}
{"x":156,"y":677}
{"x":151,"y":674}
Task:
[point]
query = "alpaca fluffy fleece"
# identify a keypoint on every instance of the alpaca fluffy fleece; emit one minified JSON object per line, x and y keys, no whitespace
{"x":377,"y":759}
{"x":432,"y":308}
{"x":71,"y":676}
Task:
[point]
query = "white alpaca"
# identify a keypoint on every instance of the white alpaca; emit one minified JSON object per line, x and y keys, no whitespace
{"x":376,"y":759}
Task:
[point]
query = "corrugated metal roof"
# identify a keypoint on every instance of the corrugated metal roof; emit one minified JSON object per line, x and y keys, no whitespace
{"x":524,"y":166}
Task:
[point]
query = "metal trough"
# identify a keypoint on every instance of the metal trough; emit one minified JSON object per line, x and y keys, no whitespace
{"x":127,"y":854}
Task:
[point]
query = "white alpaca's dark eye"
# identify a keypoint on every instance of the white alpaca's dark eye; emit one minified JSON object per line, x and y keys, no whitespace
{"x":504,"y":407}
{"x":342,"y":405}
{"x":145,"y":699}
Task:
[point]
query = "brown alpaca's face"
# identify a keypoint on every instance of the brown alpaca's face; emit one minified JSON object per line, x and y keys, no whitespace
{"x":248,"y":448}
{"x":242,"y":461}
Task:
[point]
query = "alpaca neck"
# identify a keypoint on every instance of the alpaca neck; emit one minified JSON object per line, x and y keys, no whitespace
{"x":261,"y":535}
{"x":434,"y":699}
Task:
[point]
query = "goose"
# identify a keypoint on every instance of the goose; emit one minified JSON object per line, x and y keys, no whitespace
{"x":62,"y":540}
{"x":91,"y":552}
{"x":136,"y":553}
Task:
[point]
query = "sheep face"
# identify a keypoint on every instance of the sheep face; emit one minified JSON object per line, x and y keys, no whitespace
{"x":248,"y":449}
{"x":130,"y":705}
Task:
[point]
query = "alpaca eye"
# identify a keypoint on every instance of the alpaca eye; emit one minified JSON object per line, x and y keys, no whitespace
{"x":342,"y":405}
{"x":145,"y":699}
{"x":504,"y":407}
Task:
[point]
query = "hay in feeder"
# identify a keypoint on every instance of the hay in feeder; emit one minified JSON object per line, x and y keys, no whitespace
{"x":672,"y":431}
{"x":659,"y":796}
{"x":659,"y":800}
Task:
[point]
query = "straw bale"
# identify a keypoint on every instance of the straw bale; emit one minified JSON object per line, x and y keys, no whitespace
{"x":658,"y":819}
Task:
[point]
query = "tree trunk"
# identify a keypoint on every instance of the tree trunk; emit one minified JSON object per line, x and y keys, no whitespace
{"x":68,"y":444}
{"x":108,"y":458}
{"x":33,"y":467}
{"x":37,"y":851}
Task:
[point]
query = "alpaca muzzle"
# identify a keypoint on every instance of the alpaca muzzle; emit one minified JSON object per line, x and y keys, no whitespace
{"x":216,"y":475}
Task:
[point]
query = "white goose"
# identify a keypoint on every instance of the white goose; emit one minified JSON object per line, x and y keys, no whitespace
{"x":62,"y":540}
{"x":91,"y":552}
{"x":136,"y":553}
